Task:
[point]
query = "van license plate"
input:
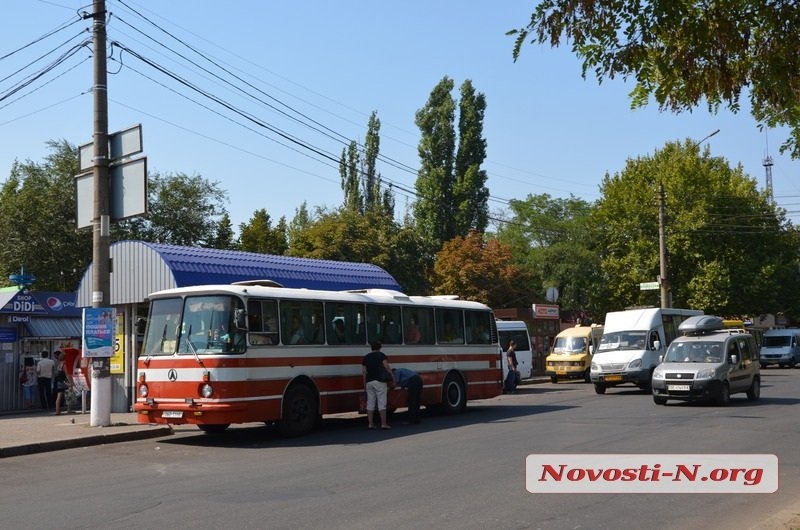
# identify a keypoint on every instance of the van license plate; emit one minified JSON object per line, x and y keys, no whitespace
{"x":172,"y":414}
{"x":679,"y":388}
{"x":613,"y":378}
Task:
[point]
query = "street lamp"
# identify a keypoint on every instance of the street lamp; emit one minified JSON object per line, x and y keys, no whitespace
{"x":663,"y":281}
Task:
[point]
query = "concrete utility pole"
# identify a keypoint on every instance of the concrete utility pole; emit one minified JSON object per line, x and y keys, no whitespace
{"x":100,"y":415}
{"x":663,"y":279}
{"x":663,"y":282}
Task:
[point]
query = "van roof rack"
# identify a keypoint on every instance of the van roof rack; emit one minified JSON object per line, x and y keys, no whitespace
{"x":700,"y":325}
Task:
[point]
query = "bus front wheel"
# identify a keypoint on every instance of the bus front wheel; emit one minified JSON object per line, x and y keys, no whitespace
{"x":299,"y":411}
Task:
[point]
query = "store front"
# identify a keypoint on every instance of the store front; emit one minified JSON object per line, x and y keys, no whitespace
{"x":30,"y":322}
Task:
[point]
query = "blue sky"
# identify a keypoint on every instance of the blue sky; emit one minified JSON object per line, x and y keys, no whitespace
{"x":330,"y":64}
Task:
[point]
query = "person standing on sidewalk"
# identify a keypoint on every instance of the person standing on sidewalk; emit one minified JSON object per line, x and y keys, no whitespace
{"x":45,"y":369}
{"x":62,"y":382}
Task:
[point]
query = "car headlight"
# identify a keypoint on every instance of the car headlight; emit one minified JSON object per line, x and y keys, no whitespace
{"x":636,"y":363}
{"x":595,"y":368}
{"x":658,"y":374}
{"x":705,"y":373}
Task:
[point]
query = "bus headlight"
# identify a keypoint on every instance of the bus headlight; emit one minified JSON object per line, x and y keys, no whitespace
{"x":206,"y":390}
{"x":143,"y":391}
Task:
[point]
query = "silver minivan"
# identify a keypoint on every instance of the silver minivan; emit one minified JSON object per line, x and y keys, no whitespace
{"x":708,"y":363}
{"x":781,"y":347}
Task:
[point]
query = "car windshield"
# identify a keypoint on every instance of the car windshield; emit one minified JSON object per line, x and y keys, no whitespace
{"x":694,"y":352}
{"x":622,"y":340}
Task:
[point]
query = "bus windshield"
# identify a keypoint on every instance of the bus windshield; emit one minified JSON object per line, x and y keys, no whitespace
{"x":194,"y":325}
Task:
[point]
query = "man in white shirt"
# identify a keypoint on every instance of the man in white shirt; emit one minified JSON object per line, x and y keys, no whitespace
{"x":44,"y":377}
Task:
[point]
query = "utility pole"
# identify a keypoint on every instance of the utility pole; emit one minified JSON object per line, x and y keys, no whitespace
{"x":663,"y":281}
{"x":100,"y":414}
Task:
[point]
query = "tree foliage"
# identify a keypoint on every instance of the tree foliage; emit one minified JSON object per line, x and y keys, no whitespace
{"x":258,"y":234}
{"x":361,"y":181}
{"x":480,"y":270}
{"x":685,"y":52}
{"x":728,"y":250}
{"x":551,"y":238}
{"x":37,"y":221}
{"x":182,"y":210}
{"x":451,"y":193}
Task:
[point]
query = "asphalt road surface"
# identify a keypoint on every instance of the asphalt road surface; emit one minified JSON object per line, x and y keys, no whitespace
{"x":463,"y":471}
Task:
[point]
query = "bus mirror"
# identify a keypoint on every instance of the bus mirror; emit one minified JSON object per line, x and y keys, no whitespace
{"x":656,"y":344}
{"x":239,"y":319}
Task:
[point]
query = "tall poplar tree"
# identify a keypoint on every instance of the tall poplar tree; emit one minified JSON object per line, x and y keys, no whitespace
{"x":361,"y":181}
{"x":451,"y":192}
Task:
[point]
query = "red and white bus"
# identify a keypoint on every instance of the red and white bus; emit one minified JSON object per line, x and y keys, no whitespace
{"x":214,"y":355}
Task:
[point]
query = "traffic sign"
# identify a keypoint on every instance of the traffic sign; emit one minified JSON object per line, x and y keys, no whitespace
{"x":648,"y":286}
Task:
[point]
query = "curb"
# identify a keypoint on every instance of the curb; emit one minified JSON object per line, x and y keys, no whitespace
{"x":86,"y":441}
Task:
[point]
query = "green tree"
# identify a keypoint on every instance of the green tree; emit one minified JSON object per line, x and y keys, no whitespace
{"x":480,"y":270}
{"x":361,"y":181}
{"x":37,"y":221}
{"x":728,"y":250}
{"x":450,"y":186}
{"x":224,"y":238}
{"x":183,"y":210}
{"x":551,"y":238}
{"x":683,"y":53}
{"x":258,"y":234}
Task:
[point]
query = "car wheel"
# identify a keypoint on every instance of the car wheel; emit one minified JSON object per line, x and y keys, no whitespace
{"x":659,"y":400}
{"x":553,"y":379}
{"x":599,"y":389}
{"x":755,"y":390}
{"x":724,"y":394}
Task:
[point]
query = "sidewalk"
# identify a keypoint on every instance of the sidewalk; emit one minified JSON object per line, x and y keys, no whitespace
{"x":41,"y":431}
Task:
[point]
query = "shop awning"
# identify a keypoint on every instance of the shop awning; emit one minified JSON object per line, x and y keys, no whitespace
{"x":50,"y":328}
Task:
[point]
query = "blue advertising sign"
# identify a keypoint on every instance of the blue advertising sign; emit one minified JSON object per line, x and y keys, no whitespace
{"x":98,"y":331}
{"x":8,"y":334}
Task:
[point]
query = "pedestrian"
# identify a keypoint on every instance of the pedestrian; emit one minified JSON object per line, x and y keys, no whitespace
{"x":376,"y":374}
{"x":45,"y":369}
{"x":512,"y":378}
{"x":412,"y":381}
{"x":61,"y":382}
{"x":29,"y":383}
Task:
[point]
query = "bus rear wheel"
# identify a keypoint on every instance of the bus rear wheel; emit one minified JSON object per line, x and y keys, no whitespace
{"x":454,"y":395}
{"x":299,"y":412}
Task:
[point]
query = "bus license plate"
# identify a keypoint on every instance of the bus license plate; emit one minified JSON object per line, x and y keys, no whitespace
{"x":172,"y":414}
{"x":678,"y":388}
{"x":613,"y":378}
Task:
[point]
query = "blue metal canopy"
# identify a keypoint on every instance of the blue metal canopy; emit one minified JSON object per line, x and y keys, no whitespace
{"x":202,"y":266}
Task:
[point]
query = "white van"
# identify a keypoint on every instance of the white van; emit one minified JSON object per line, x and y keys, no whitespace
{"x":781,"y":347}
{"x":632,"y":343}
{"x":517,"y":331}
{"x":571,"y":355}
